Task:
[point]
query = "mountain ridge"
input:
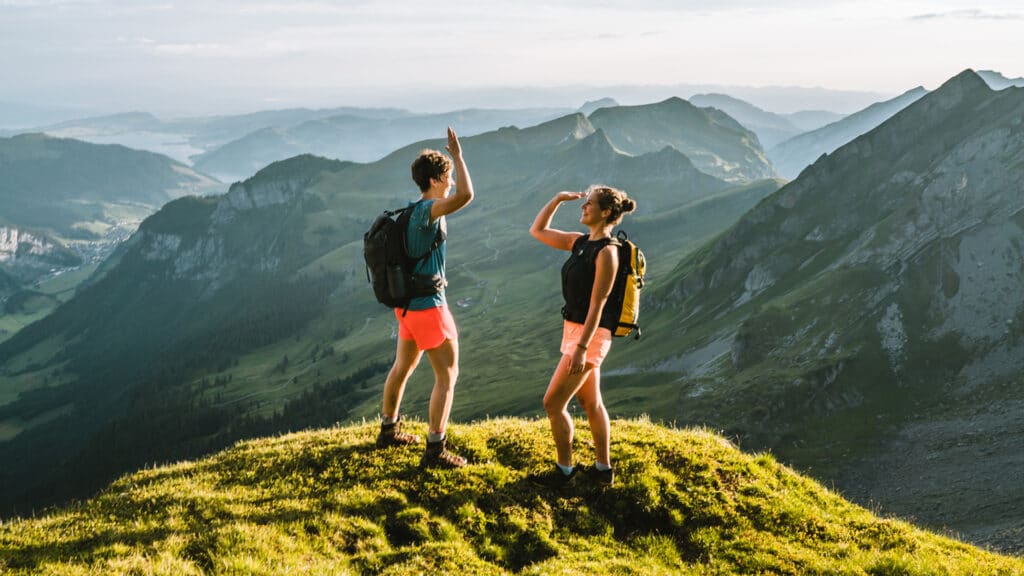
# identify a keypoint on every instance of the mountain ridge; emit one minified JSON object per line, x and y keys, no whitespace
{"x":770,"y":128}
{"x":792,"y":156}
{"x":716,"y":143}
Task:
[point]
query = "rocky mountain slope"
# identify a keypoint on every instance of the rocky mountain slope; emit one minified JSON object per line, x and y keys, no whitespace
{"x":997,"y":81}
{"x":324,"y":502}
{"x":770,"y":128}
{"x":869,"y":313}
{"x":792,"y":156}
{"x":715,"y":142}
{"x":26,"y":256}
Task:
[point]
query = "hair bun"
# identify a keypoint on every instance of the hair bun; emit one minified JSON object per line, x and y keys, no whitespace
{"x":628,"y":205}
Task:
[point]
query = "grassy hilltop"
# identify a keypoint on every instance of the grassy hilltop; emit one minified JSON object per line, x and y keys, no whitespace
{"x":326,"y":502}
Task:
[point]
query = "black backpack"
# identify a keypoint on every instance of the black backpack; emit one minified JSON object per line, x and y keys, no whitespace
{"x":389,"y":268}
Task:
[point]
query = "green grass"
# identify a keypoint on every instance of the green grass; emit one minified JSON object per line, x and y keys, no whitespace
{"x":61,"y":287}
{"x":326,"y":502}
{"x":10,"y":324}
{"x":93,"y":227}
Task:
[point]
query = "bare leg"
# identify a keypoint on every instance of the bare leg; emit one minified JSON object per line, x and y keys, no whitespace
{"x":561,"y":389}
{"x":589,"y":396}
{"x":445,"y":361}
{"x":407,"y":356}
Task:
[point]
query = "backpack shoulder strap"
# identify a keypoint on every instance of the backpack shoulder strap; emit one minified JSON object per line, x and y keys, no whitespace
{"x":404,"y":215}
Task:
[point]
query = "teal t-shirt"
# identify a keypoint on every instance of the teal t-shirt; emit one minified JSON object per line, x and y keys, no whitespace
{"x":420,"y":236}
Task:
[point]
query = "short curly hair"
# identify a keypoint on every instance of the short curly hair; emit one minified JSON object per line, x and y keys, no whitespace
{"x":430,"y":164}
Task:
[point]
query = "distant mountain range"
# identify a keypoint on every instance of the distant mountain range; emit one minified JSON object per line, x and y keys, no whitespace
{"x":591,"y":105}
{"x":792,"y":156}
{"x":363,"y":139}
{"x":234,"y":147}
{"x":181,"y":138}
{"x":865,"y":320}
{"x":997,"y":81}
{"x":351,"y":137}
{"x":770,"y":128}
{"x":53,"y":183}
{"x":23,"y":115}
{"x":780,"y":99}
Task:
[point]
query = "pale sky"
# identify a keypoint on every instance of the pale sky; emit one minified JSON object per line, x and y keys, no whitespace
{"x":198,"y":56}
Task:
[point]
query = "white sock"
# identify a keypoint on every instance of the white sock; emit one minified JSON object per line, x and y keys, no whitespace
{"x":602,"y":467}
{"x":565,"y":469}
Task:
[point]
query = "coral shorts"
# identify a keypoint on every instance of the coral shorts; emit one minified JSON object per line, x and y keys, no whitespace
{"x":429,"y":328}
{"x":599,"y":345}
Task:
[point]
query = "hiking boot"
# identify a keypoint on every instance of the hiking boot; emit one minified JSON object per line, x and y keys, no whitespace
{"x":553,"y":478}
{"x":392,"y":435}
{"x":437,"y":456}
{"x":602,"y":478}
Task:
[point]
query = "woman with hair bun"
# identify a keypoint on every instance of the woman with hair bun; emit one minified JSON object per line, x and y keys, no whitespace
{"x":587,"y":278}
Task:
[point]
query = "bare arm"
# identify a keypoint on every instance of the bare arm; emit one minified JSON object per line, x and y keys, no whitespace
{"x":463,"y":185}
{"x":541,"y":228}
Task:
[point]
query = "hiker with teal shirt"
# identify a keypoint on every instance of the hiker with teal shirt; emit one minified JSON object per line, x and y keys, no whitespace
{"x":587,"y":278}
{"x":427,"y":325}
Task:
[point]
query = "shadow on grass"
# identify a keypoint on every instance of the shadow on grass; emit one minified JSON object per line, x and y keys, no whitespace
{"x":87,"y":549}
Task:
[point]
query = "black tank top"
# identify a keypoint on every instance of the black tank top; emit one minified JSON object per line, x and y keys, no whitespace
{"x":578,"y":281}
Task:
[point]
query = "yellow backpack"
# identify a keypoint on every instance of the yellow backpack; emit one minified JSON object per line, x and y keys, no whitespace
{"x":629,"y":281}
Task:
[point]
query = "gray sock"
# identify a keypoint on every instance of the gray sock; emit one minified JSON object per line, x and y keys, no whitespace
{"x":565,"y":469}
{"x":388,"y":420}
{"x":434,"y":437}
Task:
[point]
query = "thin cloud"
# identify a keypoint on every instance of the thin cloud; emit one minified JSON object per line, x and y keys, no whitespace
{"x":971,"y":14}
{"x":211,"y":50}
{"x":200,"y":49}
{"x":45,"y":3}
{"x":76,"y":5}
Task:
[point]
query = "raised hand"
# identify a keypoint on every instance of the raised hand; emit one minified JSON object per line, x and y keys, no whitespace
{"x":454,"y":148}
{"x":566,"y":196}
